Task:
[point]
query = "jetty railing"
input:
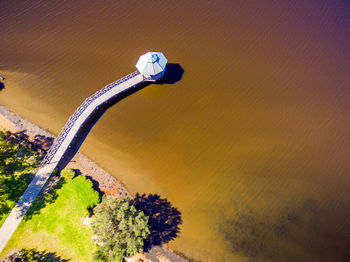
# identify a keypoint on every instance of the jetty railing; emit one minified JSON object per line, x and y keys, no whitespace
{"x":78,"y":112}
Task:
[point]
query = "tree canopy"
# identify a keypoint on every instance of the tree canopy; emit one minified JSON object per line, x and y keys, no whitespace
{"x":119,"y":228}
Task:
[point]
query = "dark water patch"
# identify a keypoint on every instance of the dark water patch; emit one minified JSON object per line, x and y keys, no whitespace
{"x":305,"y":232}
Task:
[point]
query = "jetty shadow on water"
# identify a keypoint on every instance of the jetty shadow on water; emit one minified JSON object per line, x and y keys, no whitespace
{"x":173,"y":74}
{"x":164,"y":219}
{"x":93,"y":118}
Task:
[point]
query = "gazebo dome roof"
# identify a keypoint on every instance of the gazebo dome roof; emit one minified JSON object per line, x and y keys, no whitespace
{"x":151,"y":63}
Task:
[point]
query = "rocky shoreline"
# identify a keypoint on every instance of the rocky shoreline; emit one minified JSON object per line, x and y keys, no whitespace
{"x":103,"y":182}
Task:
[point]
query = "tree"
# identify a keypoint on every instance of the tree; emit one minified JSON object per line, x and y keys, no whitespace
{"x":119,"y":228}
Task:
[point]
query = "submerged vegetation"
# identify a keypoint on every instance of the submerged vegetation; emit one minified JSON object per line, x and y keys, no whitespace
{"x":16,"y":162}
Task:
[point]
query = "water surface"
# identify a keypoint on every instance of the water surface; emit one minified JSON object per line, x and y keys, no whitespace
{"x":252,"y":145}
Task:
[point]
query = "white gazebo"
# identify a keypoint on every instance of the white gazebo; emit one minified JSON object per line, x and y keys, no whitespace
{"x":152,"y":66}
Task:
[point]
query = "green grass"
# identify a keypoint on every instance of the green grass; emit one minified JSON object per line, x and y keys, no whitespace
{"x":54,"y":222}
{"x":57,"y":227}
{"x":16,"y":163}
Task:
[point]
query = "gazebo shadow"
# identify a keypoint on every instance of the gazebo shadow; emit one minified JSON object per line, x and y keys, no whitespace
{"x":164,"y":219}
{"x":173,"y":74}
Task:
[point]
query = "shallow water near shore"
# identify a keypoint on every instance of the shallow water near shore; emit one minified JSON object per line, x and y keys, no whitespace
{"x":252,"y":144}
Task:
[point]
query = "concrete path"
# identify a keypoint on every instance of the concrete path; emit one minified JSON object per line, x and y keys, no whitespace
{"x":59,"y":148}
{"x":24,"y":203}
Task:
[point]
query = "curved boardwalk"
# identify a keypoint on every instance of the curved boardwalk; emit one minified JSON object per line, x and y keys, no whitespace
{"x":60,"y":147}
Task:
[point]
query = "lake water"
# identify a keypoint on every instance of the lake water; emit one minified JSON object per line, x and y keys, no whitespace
{"x":252,"y":145}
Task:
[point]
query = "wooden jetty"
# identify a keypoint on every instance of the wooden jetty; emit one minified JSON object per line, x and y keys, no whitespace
{"x":65,"y":139}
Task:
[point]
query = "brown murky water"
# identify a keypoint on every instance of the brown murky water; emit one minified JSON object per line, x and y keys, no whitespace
{"x":252,"y":145}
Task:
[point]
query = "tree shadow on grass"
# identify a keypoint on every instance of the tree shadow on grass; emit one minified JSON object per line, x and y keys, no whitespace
{"x":17,"y":153}
{"x":43,"y":142}
{"x":34,"y":255}
{"x":46,"y":197}
{"x":164,"y":219}
{"x":17,"y":185}
{"x":40,"y":144}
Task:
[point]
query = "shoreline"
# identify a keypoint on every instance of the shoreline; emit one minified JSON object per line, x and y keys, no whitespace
{"x":103,"y":181}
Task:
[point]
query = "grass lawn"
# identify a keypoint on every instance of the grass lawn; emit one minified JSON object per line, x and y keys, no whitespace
{"x":57,"y":227}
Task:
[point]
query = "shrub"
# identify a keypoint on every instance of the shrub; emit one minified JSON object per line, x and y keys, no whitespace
{"x":67,"y":173}
{"x":120,"y":229}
